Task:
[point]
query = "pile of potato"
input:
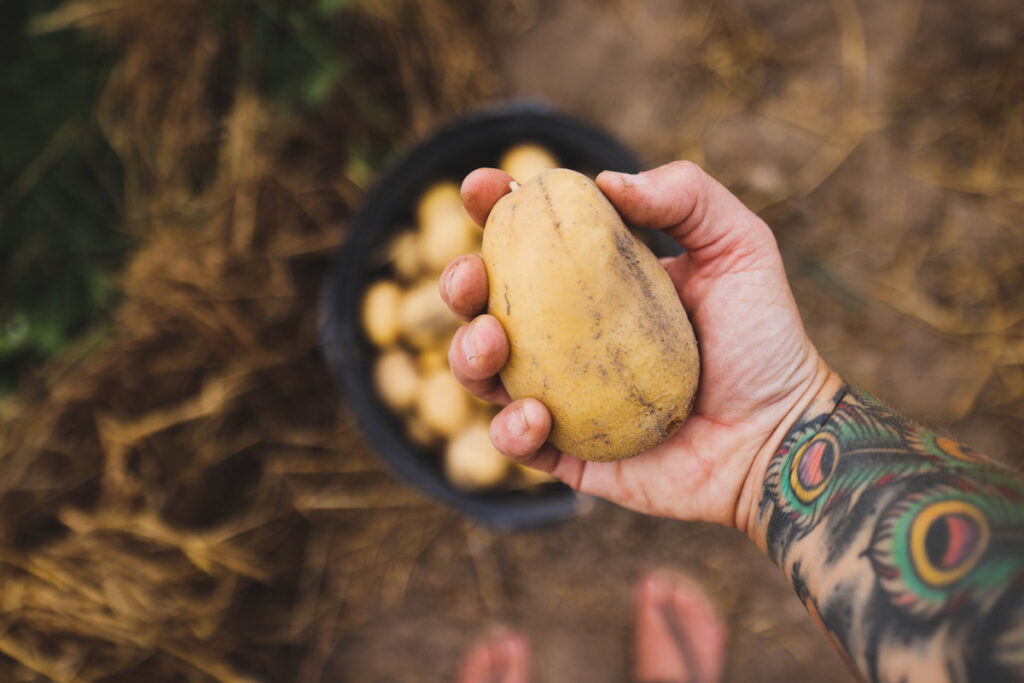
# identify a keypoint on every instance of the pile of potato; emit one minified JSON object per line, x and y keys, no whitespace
{"x":404,"y":317}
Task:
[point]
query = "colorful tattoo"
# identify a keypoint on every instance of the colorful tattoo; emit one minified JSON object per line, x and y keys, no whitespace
{"x":907,"y":547}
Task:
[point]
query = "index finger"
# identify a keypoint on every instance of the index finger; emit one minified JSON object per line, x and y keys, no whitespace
{"x":481,"y":189}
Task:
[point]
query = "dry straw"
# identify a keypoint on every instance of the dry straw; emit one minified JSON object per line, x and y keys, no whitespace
{"x":159,"y":491}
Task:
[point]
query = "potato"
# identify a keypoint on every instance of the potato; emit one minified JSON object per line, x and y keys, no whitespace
{"x":405,"y":256}
{"x":446,"y":230}
{"x":443,"y":241}
{"x":440,"y":200}
{"x":596,"y":330}
{"x":396,"y":378}
{"x":424,"y":319}
{"x":420,"y":433}
{"x":526,"y":161}
{"x":532,"y":477}
{"x":380,"y":312}
{"x":433,"y":359}
{"x":471,"y":461}
{"x":483,"y":407}
{"x":443,"y":404}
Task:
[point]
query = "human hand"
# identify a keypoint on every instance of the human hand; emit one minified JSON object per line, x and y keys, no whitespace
{"x":759,"y":371}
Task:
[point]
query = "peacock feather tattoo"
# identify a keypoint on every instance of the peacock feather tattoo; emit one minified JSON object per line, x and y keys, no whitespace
{"x":942,"y":549}
{"x":915,"y":543}
{"x":824,"y":466}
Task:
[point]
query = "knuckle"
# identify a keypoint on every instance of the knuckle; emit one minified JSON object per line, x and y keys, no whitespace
{"x":687,"y":170}
{"x":690,"y":176}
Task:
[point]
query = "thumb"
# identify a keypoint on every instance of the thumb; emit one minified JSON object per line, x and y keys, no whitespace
{"x":690,"y":206}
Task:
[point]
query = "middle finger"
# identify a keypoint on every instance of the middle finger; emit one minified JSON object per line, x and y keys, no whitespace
{"x":463,"y":286}
{"x":477,"y":353}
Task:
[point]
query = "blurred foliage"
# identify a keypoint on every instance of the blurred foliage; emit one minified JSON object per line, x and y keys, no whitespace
{"x":61,"y":184}
{"x":291,"y":54}
{"x":294,"y":53}
{"x":60,"y":189}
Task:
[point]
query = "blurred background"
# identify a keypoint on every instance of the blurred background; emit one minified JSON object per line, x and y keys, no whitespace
{"x":183,"y":494}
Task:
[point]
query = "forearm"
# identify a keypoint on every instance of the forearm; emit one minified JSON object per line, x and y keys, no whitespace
{"x":907,"y":548}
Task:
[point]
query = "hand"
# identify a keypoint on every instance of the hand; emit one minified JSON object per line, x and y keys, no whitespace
{"x":758,"y":368}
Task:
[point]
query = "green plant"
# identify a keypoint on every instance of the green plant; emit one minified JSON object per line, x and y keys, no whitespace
{"x":60,"y":191}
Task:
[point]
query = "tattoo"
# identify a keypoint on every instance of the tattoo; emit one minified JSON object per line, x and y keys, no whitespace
{"x":906,"y":547}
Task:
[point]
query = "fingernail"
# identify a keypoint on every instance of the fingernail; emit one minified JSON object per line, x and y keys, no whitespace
{"x":630,"y":179}
{"x":469,"y":343}
{"x":448,"y":280}
{"x":519,"y":424}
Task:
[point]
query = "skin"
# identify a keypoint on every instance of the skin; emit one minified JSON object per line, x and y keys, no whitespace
{"x":905,"y":547}
{"x":759,"y":371}
{"x":687,"y":647}
{"x":504,"y":658}
{"x":679,"y":636}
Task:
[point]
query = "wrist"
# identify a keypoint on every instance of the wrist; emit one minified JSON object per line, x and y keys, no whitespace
{"x":819,"y":394}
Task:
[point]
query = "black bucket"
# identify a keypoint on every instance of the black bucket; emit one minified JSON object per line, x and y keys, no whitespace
{"x":475,"y":141}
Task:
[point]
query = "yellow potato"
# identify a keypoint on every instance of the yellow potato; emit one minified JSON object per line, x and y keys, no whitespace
{"x":440,"y":200}
{"x":423,"y":318}
{"x":526,"y":161}
{"x":396,"y":378}
{"x":596,"y":330}
{"x":433,"y":359}
{"x":471,"y":462}
{"x":442,"y":403}
{"x":420,"y":433}
{"x":405,"y":256}
{"x":532,"y":477}
{"x":380,"y":312}
{"x":446,"y":230}
{"x":483,"y":407}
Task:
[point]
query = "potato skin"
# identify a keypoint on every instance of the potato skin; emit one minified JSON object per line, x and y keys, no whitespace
{"x":442,"y":404}
{"x":445,"y":229}
{"x":424,"y":320}
{"x":526,"y":161}
{"x":471,"y":462}
{"x":596,"y":330}
{"x":397,"y":379}
{"x":381,"y":303}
